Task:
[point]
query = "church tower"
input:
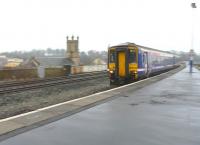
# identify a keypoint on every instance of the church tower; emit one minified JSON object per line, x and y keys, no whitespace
{"x":73,"y":50}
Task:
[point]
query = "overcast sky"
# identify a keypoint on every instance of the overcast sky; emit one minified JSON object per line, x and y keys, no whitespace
{"x":39,"y":24}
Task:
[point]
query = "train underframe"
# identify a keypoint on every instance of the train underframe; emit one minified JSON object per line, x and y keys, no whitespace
{"x":117,"y":80}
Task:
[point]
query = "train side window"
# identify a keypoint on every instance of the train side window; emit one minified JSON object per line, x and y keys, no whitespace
{"x":112,"y":56}
{"x":132,"y":56}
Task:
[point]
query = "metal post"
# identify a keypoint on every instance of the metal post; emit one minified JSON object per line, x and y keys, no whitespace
{"x":193,"y":5}
{"x":191,"y":63}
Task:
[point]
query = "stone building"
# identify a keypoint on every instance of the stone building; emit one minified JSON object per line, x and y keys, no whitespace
{"x":3,"y":61}
{"x":13,"y":62}
{"x":46,"y":62}
{"x":72,"y":52}
{"x":72,"y":58}
{"x":98,"y":61}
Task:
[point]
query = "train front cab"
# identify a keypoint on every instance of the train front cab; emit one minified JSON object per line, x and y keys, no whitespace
{"x":122,"y":64}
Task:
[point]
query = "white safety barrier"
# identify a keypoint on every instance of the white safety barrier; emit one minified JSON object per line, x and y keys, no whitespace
{"x":91,"y":68}
{"x":87,"y":68}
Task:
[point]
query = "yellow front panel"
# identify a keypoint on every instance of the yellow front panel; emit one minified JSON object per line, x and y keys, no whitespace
{"x":121,"y":62}
{"x":111,"y":63}
{"x":133,"y":67}
{"x":111,"y":66}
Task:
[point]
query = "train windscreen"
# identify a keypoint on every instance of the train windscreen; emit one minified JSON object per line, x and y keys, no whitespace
{"x":112,"y":56}
{"x":132,"y":56}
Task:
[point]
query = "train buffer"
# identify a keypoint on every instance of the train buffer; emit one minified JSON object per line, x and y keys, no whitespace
{"x":166,"y":112}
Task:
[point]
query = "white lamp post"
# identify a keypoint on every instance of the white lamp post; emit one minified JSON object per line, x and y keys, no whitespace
{"x":193,"y":5}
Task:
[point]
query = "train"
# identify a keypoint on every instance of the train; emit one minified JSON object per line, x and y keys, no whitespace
{"x":129,"y":62}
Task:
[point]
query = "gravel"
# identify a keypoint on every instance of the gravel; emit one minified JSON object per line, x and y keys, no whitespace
{"x":13,"y":104}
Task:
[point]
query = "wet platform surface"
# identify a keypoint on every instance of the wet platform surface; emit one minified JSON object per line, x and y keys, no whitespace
{"x":163,"y":113}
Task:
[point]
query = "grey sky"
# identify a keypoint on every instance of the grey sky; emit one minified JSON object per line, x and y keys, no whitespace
{"x":39,"y":24}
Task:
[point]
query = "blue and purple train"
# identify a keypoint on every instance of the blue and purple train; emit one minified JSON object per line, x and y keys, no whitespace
{"x":128,"y":62}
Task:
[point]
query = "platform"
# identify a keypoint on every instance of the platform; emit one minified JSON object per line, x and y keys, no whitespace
{"x":164,"y":113}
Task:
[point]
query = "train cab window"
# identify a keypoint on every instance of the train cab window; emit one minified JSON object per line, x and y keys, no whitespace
{"x":132,"y":56}
{"x":112,"y":56}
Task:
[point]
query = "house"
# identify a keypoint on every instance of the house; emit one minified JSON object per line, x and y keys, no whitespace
{"x":98,"y":61}
{"x":72,"y":57}
{"x":3,"y":61}
{"x":46,"y":62}
{"x":13,"y":62}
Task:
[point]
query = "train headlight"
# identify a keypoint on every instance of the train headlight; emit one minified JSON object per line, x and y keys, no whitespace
{"x":111,"y":71}
{"x":133,"y":72}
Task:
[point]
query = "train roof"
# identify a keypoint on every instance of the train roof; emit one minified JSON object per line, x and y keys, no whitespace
{"x":144,"y":47}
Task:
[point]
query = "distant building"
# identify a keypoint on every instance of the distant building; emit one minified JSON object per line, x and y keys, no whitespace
{"x":13,"y":62}
{"x":98,"y":61}
{"x":46,"y":62}
{"x":72,"y":58}
{"x":3,"y":61}
{"x":72,"y":52}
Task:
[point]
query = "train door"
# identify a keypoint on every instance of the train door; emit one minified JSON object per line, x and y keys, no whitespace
{"x":145,"y":60}
{"x":121,"y":63}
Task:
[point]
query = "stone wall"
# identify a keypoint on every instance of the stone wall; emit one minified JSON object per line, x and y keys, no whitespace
{"x":16,"y":74}
{"x":55,"y":72}
{"x":25,"y":74}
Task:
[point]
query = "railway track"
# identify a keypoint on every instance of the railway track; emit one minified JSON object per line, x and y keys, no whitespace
{"x":19,"y":86}
{"x":16,"y":83}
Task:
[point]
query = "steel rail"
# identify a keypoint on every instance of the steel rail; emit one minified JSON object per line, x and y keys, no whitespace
{"x":16,"y":83}
{"x":42,"y":84}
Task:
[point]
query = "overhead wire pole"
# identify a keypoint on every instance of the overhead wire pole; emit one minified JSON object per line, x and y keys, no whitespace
{"x":193,"y":5}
